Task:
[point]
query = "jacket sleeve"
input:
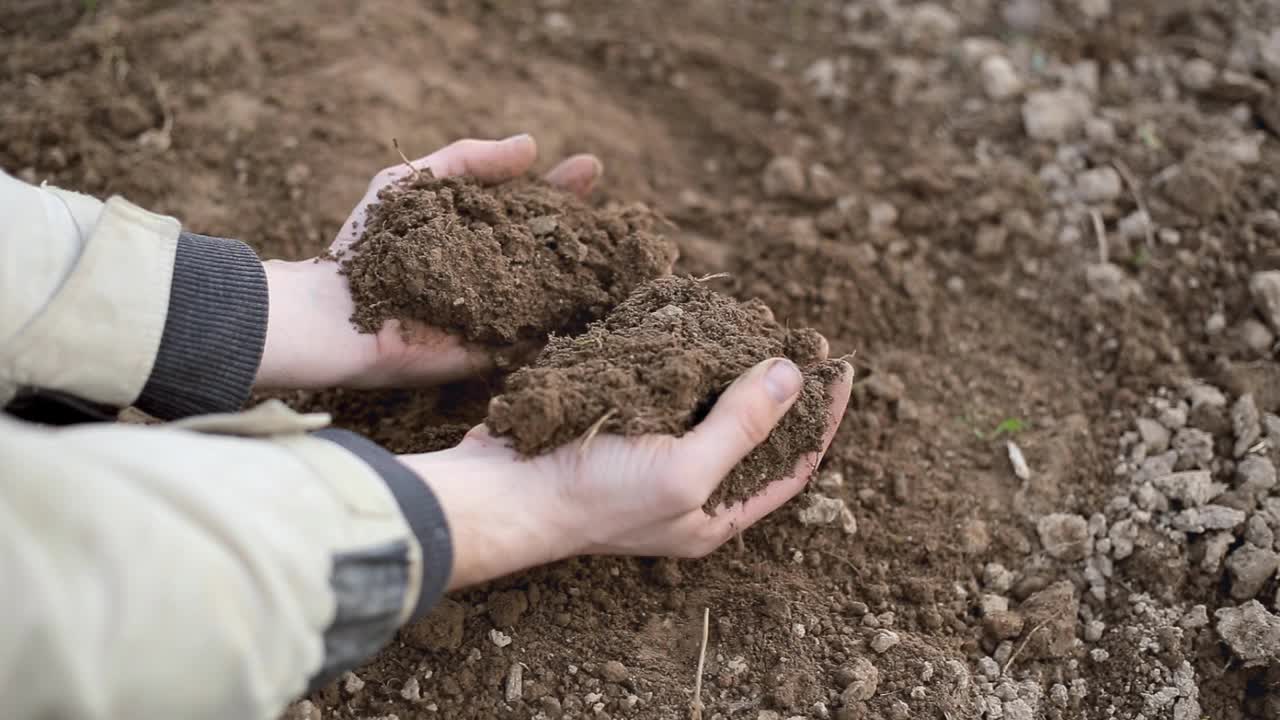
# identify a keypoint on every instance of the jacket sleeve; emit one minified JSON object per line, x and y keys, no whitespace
{"x":163,"y":571}
{"x":118,"y":306}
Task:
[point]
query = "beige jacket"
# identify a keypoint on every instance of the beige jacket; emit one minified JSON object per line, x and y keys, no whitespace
{"x":212,"y":567}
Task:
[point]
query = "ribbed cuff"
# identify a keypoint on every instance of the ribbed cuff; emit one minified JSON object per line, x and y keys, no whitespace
{"x":214,"y":331}
{"x":420,"y":508}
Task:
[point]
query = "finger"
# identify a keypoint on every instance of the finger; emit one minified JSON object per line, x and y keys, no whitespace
{"x":486,"y":160}
{"x":577,"y":174}
{"x":741,"y":419}
{"x":777,"y":493}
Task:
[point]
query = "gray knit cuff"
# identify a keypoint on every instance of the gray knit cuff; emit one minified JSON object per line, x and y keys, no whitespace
{"x":420,"y":508}
{"x":214,"y":332}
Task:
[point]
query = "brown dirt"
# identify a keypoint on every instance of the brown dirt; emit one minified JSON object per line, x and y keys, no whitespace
{"x":498,"y":265}
{"x":905,"y":214}
{"x":655,"y":365}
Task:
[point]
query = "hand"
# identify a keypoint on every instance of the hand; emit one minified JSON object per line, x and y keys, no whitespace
{"x":311,"y":342}
{"x":628,"y":496}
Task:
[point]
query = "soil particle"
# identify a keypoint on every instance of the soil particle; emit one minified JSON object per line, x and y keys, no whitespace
{"x":498,"y":264}
{"x":1251,"y":632}
{"x":1065,"y":536}
{"x":1050,"y":620}
{"x":441,"y":629}
{"x":656,"y":365}
{"x":505,"y":608}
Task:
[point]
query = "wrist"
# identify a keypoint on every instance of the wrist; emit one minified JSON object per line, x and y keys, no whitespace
{"x":310,"y":341}
{"x":501,"y":518}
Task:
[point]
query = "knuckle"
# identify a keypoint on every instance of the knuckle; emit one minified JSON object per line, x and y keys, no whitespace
{"x":754,"y":427}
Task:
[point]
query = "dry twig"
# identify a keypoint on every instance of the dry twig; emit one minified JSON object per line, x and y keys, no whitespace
{"x":712,"y":276}
{"x":593,"y":431}
{"x":1100,"y":229}
{"x":1137,"y":197}
{"x":696,"y":707}
{"x":1005,"y":670}
{"x":396,"y":144}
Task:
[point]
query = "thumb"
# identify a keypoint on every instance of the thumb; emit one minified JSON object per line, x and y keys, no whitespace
{"x":742,"y":418}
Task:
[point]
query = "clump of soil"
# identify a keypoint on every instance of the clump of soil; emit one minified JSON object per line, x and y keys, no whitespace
{"x":655,"y":365}
{"x":498,"y":264}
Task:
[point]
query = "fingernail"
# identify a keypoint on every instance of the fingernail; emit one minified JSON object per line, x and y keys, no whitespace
{"x":522,"y":137}
{"x":782,"y":380}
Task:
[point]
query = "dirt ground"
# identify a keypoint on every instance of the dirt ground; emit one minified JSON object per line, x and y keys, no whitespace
{"x":1043,"y":225}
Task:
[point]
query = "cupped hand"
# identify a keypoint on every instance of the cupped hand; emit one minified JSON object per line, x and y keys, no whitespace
{"x":627,"y":496}
{"x":311,"y":342}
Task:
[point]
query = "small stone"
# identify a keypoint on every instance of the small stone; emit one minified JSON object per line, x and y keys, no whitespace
{"x":884,"y":640}
{"x":1265,"y":288}
{"x":1195,"y":618}
{"x":1246,"y":422}
{"x":1209,"y":517}
{"x":1258,"y":532}
{"x":1194,"y":447}
{"x":1135,"y":225}
{"x":1052,"y":610}
{"x":505,"y":608}
{"x":614,"y":672}
{"x":823,"y":184}
{"x":499,"y":638}
{"x":821,"y":510}
{"x":1197,"y":74}
{"x":1215,"y":551}
{"x":989,"y":668}
{"x":543,"y":225}
{"x":928,"y":25}
{"x":1065,"y":536}
{"x":352,"y":683}
{"x":1173,"y":417}
{"x":1192,"y":488}
{"x":1055,"y":115}
{"x":997,"y":578}
{"x":1111,"y":282}
{"x":1256,"y":474}
{"x":999,"y":78}
{"x":411,"y":690}
{"x":860,"y":679}
{"x":1018,"y":709}
{"x":514,"y":688}
{"x":303,"y":710}
{"x":1251,"y":632}
{"x":1093,"y":630}
{"x":1122,"y":534}
{"x":783,"y":178}
{"x":1098,"y":185}
{"x":1100,"y":131}
{"x":1155,"y":437}
{"x":1250,"y":568}
{"x":881,"y":216}
{"x":1003,"y":624}
{"x":1204,"y":395}
{"x":1255,"y":336}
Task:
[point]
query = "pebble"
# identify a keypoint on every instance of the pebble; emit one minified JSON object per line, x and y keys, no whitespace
{"x":1055,"y":115}
{"x":1155,"y":437}
{"x":1194,"y":448}
{"x":1099,"y":185}
{"x":614,"y":672}
{"x":1251,"y":632}
{"x":1111,"y":282}
{"x":1215,"y":550}
{"x":999,"y":78}
{"x":1258,"y":532}
{"x":1173,"y":417}
{"x":1255,"y":336}
{"x":1065,"y":536}
{"x":1093,"y":630}
{"x":1135,"y":225}
{"x":1100,"y":131}
{"x":1246,"y":422}
{"x":1197,"y":74}
{"x":928,"y":25}
{"x":783,"y":177}
{"x":514,"y":689}
{"x":881,"y":216}
{"x":352,"y":683}
{"x":1192,"y":488}
{"x":860,"y":679}
{"x":997,"y":578}
{"x":989,"y":668}
{"x":1209,"y":517}
{"x":1256,"y":473}
{"x":1122,"y":535}
{"x":884,"y":640}
{"x":820,"y":510}
{"x":412,"y":690}
{"x":1250,"y":567}
{"x":1265,"y":289}
{"x":989,"y":603}
{"x":499,"y":638}
{"x":302,"y":710}
{"x":1003,"y":624}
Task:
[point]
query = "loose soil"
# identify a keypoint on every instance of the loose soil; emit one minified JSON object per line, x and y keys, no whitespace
{"x":863,"y":168}
{"x":655,"y":365}
{"x":498,"y":265}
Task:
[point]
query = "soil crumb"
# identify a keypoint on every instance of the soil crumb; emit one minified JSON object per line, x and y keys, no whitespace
{"x":499,"y":264}
{"x":656,"y":365}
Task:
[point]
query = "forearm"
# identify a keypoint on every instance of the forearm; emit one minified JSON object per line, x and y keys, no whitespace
{"x":165,"y":573}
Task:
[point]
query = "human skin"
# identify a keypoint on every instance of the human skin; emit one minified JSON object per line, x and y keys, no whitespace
{"x":626,"y":496}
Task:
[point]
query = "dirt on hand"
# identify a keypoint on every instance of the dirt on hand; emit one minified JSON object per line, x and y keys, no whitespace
{"x":655,"y":365}
{"x":498,"y":264}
